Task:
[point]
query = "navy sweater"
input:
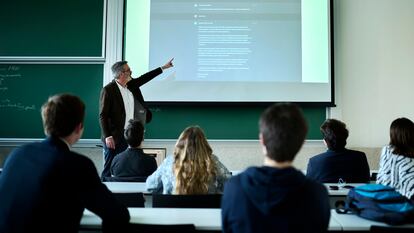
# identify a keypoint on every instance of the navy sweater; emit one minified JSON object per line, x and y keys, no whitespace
{"x":266,"y":199}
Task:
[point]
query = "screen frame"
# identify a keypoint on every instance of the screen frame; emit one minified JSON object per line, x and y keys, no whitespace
{"x":331,"y":55}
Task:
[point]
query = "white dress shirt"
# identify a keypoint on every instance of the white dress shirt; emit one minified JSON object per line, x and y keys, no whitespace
{"x":128,"y":99}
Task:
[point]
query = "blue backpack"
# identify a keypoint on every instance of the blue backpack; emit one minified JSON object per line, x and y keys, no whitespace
{"x":379,"y":203}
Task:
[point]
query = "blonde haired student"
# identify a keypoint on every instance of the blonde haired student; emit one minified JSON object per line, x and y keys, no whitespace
{"x":192,"y":169}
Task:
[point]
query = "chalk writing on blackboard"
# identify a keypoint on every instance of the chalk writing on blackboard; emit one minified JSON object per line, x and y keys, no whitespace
{"x":2,"y":88}
{"x":6,"y":103}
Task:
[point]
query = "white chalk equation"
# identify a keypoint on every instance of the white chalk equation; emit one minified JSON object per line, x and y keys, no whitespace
{"x":7,"y":73}
{"x":10,"y":68}
{"x":7,"y":103}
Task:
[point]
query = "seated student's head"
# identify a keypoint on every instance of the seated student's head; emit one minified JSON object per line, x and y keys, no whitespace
{"x":134,"y":133}
{"x":402,"y":137}
{"x":63,"y":116}
{"x":334,"y":134}
{"x":282,"y":131}
{"x":193,"y":164}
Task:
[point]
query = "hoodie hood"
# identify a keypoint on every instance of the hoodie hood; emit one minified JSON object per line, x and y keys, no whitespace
{"x":268,"y":187}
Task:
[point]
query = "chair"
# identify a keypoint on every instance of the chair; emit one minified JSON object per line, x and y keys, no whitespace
{"x":186,"y":201}
{"x":125,"y":179}
{"x":131,"y":199}
{"x":155,"y":228}
{"x":386,"y":229}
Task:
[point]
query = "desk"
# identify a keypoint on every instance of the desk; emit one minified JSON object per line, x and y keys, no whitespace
{"x":351,"y":222}
{"x":203,"y":219}
{"x":126,"y":187}
{"x":131,"y":187}
{"x":340,"y":194}
{"x":340,"y":191}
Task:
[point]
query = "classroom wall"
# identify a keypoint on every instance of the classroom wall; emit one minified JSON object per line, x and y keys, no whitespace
{"x":235,"y":155}
{"x":374,"y":62}
{"x":374,"y":53}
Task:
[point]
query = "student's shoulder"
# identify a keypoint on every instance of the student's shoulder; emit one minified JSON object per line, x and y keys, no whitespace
{"x":318,"y":158}
{"x":80,"y":159}
{"x":322,"y":155}
{"x":356,"y":152}
{"x":236,"y":180}
{"x":233,"y":184}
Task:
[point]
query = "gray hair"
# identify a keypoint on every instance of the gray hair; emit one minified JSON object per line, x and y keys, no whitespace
{"x":117,"y":68}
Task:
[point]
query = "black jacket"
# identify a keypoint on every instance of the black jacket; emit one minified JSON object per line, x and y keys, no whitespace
{"x":45,"y":187}
{"x":349,"y":165}
{"x":133,"y":162}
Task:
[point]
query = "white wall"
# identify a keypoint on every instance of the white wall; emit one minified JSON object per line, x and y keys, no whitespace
{"x":374,"y":52}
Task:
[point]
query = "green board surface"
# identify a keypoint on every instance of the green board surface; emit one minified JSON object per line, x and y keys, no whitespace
{"x":220,"y":122}
{"x":25,"y":87}
{"x":50,"y":28}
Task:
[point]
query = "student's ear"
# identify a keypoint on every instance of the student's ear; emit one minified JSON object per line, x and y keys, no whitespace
{"x":79,"y":128}
{"x":261,"y":139}
{"x":262,"y":142}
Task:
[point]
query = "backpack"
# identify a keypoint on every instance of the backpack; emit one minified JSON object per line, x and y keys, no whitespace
{"x":379,"y":203}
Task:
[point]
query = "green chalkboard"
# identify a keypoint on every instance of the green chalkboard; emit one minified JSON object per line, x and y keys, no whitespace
{"x":50,"y":28}
{"x":220,"y":122}
{"x":25,"y":87}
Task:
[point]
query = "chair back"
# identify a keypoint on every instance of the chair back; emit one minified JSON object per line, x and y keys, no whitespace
{"x":186,"y":201}
{"x":131,"y":199}
{"x":390,"y":229}
{"x":125,"y":179}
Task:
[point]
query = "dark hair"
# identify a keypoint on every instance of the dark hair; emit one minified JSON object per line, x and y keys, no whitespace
{"x":334,"y":133}
{"x":402,"y":137}
{"x":283,"y":128}
{"x":61,"y":114}
{"x":118,"y":68}
{"x":134,"y":133}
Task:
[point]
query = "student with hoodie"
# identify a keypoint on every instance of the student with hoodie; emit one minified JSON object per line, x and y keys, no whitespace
{"x":276,"y":197}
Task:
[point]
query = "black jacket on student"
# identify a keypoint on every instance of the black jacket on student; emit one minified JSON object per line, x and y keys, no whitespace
{"x":349,"y":165}
{"x":45,"y":187}
{"x":133,"y":162}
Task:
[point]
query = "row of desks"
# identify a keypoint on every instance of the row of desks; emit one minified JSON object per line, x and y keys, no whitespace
{"x":130,"y":187}
{"x":210,"y":219}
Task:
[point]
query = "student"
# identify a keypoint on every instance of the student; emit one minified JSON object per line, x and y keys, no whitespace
{"x":45,"y":186}
{"x":193,"y":169}
{"x":133,"y":162}
{"x":338,"y":162}
{"x":276,"y":197}
{"x":396,"y":168}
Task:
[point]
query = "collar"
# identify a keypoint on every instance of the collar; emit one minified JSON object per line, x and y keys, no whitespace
{"x":120,"y":85}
